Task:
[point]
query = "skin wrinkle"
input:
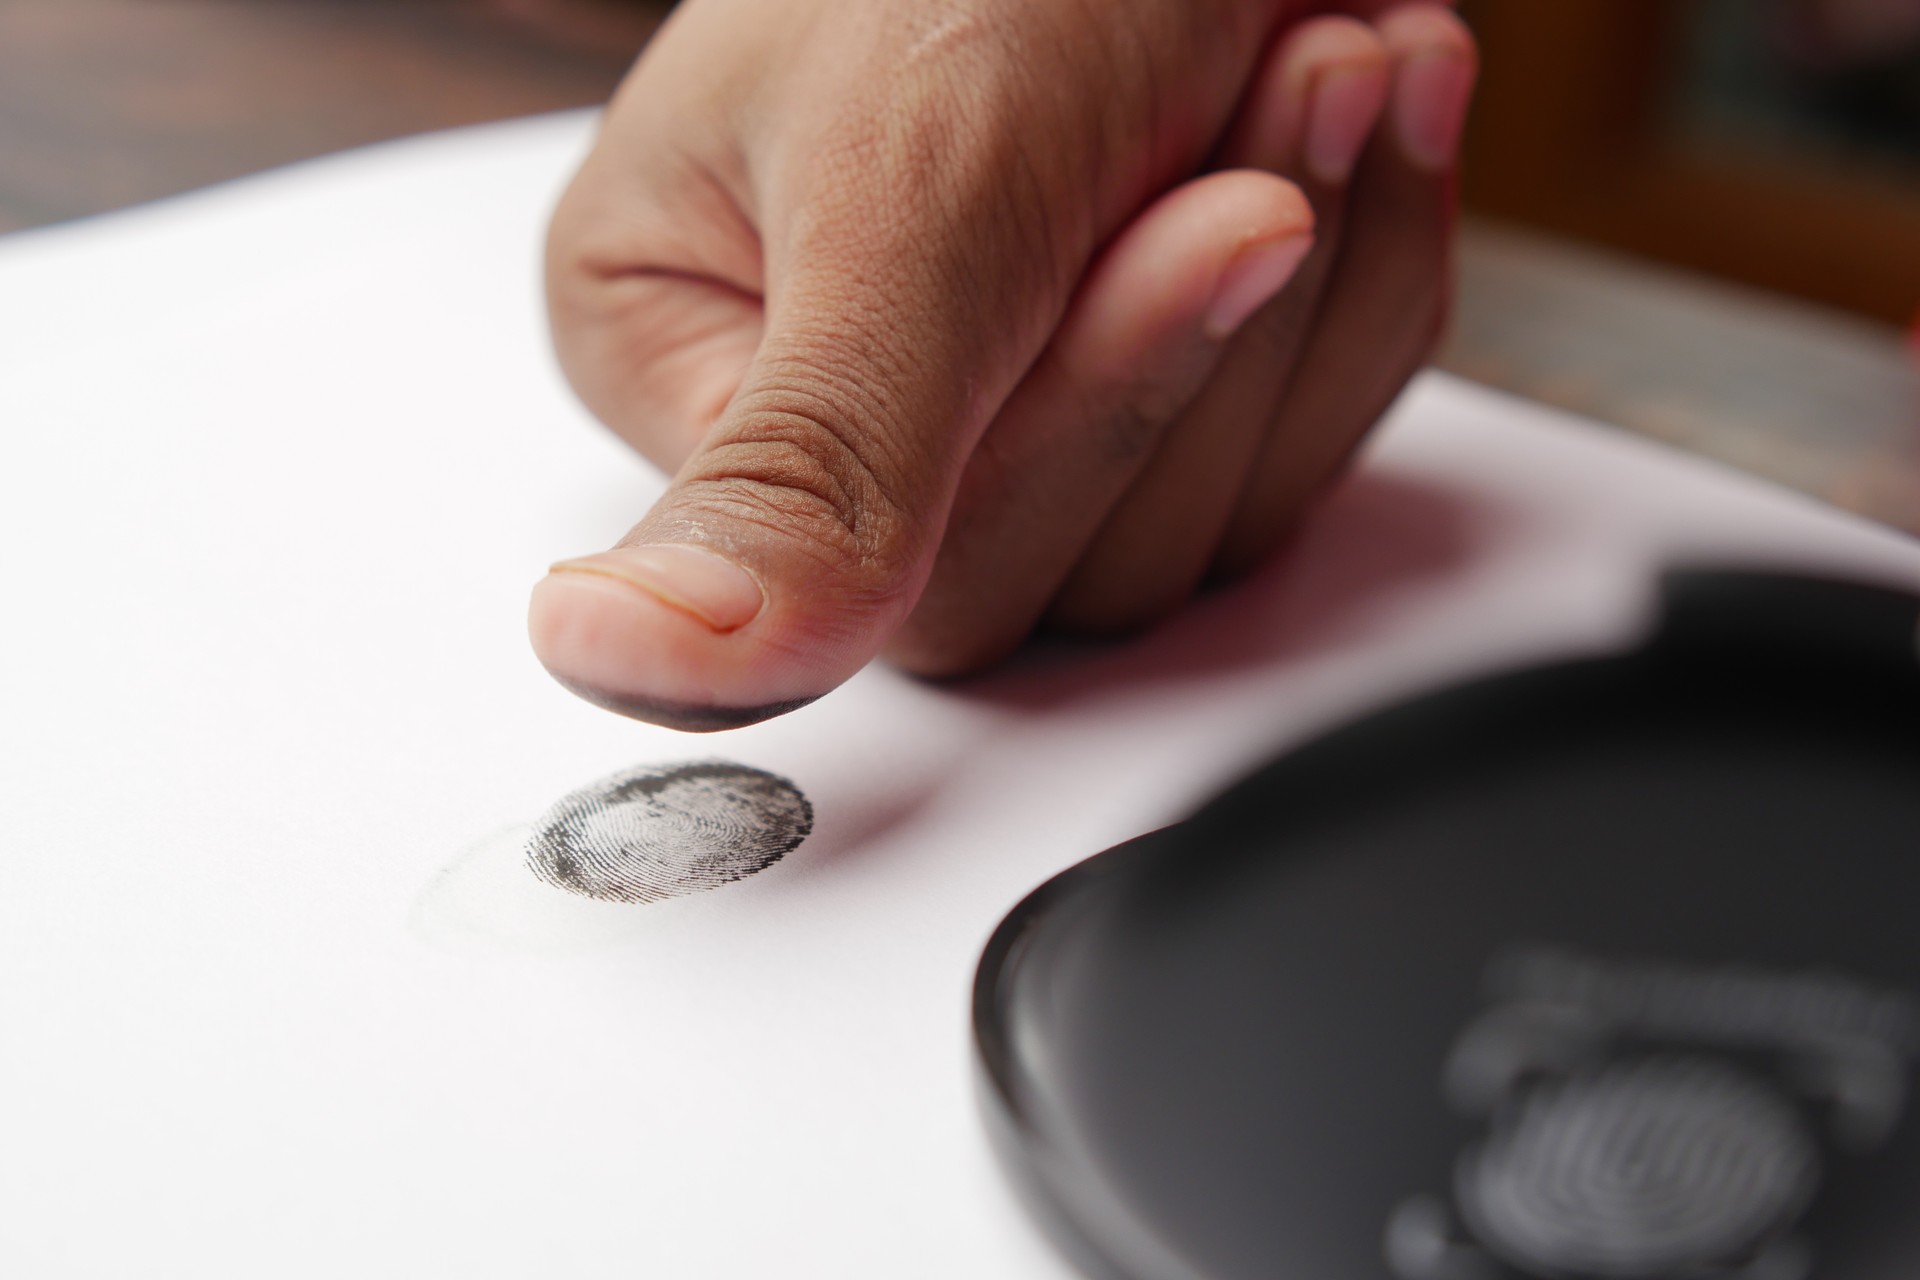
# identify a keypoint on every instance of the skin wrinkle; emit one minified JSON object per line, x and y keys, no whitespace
{"x":866,"y":296}
{"x":793,"y":450}
{"x":753,"y":504}
{"x":619,"y":284}
{"x":1137,"y":57}
{"x":720,"y":521}
{"x":699,"y":362}
{"x":1134,"y":412}
{"x":1029,"y":168}
{"x":1003,"y":235}
{"x":590,"y":290}
{"x":1116,"y":126}
{"x":648,"y":360}
{"x":921,"y":154}
{"x":947,"y":148}
{"x":668,"y":252}
{"x":1076,"y":168}
{"x":666,"y":216}
{"x":874,"y":448}
{"x":810,"y":389}
{"x":790,"y":484}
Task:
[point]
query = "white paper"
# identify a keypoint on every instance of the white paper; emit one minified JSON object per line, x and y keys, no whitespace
{"x":278,"y":463}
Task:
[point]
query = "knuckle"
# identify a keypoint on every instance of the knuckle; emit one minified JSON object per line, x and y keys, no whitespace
{"x":1110,"y":620}
{"x":1133,"y":414}
{"x":1105,"y":609}
{"x":1134,"y":427}
{"x":1124,"y":418}
{"x":939,"y":650}
{"x":786,"y":461}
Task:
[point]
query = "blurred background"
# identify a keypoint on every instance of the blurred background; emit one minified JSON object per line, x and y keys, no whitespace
{"x":1695,"y":219}
{"x":1772,"y":141}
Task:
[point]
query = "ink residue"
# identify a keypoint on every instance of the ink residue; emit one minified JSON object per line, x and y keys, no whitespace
{"x":658,"y":832}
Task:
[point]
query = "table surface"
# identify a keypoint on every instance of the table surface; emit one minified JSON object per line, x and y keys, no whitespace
{"x":106,"y":103}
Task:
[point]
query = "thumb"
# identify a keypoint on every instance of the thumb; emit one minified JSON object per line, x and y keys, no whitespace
{"x":799,"y":533}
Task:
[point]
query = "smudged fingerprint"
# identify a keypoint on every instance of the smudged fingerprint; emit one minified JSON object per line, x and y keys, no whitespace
{"x":1669,"y":1166}
{"x":661,"y":831}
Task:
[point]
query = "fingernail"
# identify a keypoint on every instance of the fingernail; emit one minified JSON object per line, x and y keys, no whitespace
{"x":1430,"y":98}
{"x":691,"y":579}
{"x":1256,"y":274}
{"x":1345,"y":102}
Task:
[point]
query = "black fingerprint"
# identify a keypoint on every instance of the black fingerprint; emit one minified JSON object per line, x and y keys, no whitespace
{"x":1652,"y":1168}
{"x":661,"y":831}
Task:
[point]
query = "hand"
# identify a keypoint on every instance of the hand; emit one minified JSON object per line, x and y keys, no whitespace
{"x":952,"y":318}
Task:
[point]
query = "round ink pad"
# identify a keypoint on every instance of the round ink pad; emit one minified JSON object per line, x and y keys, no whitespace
{"x":1607,"y":970}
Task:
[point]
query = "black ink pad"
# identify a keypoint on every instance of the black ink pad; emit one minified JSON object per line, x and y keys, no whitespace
{"x":662,"y":831}
{"x":1601,"y":971}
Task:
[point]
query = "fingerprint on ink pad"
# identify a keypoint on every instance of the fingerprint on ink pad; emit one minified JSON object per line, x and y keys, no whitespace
{"x":662,"y":831}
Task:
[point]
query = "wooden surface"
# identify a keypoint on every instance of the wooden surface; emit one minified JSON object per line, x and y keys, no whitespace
{"x":1821,"y":401}
{"x":1578,"y":130}
{"x":106,"y":103}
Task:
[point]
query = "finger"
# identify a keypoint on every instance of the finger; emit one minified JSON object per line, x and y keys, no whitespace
{"x":1308,"y":117}
{"x":1141,"y":336}
{"x":1389,"y":290}
{"x":798,"y":532}
{"x":656,"y":356}
{"x":1373,"y":9}
{"x":653,"y":292}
